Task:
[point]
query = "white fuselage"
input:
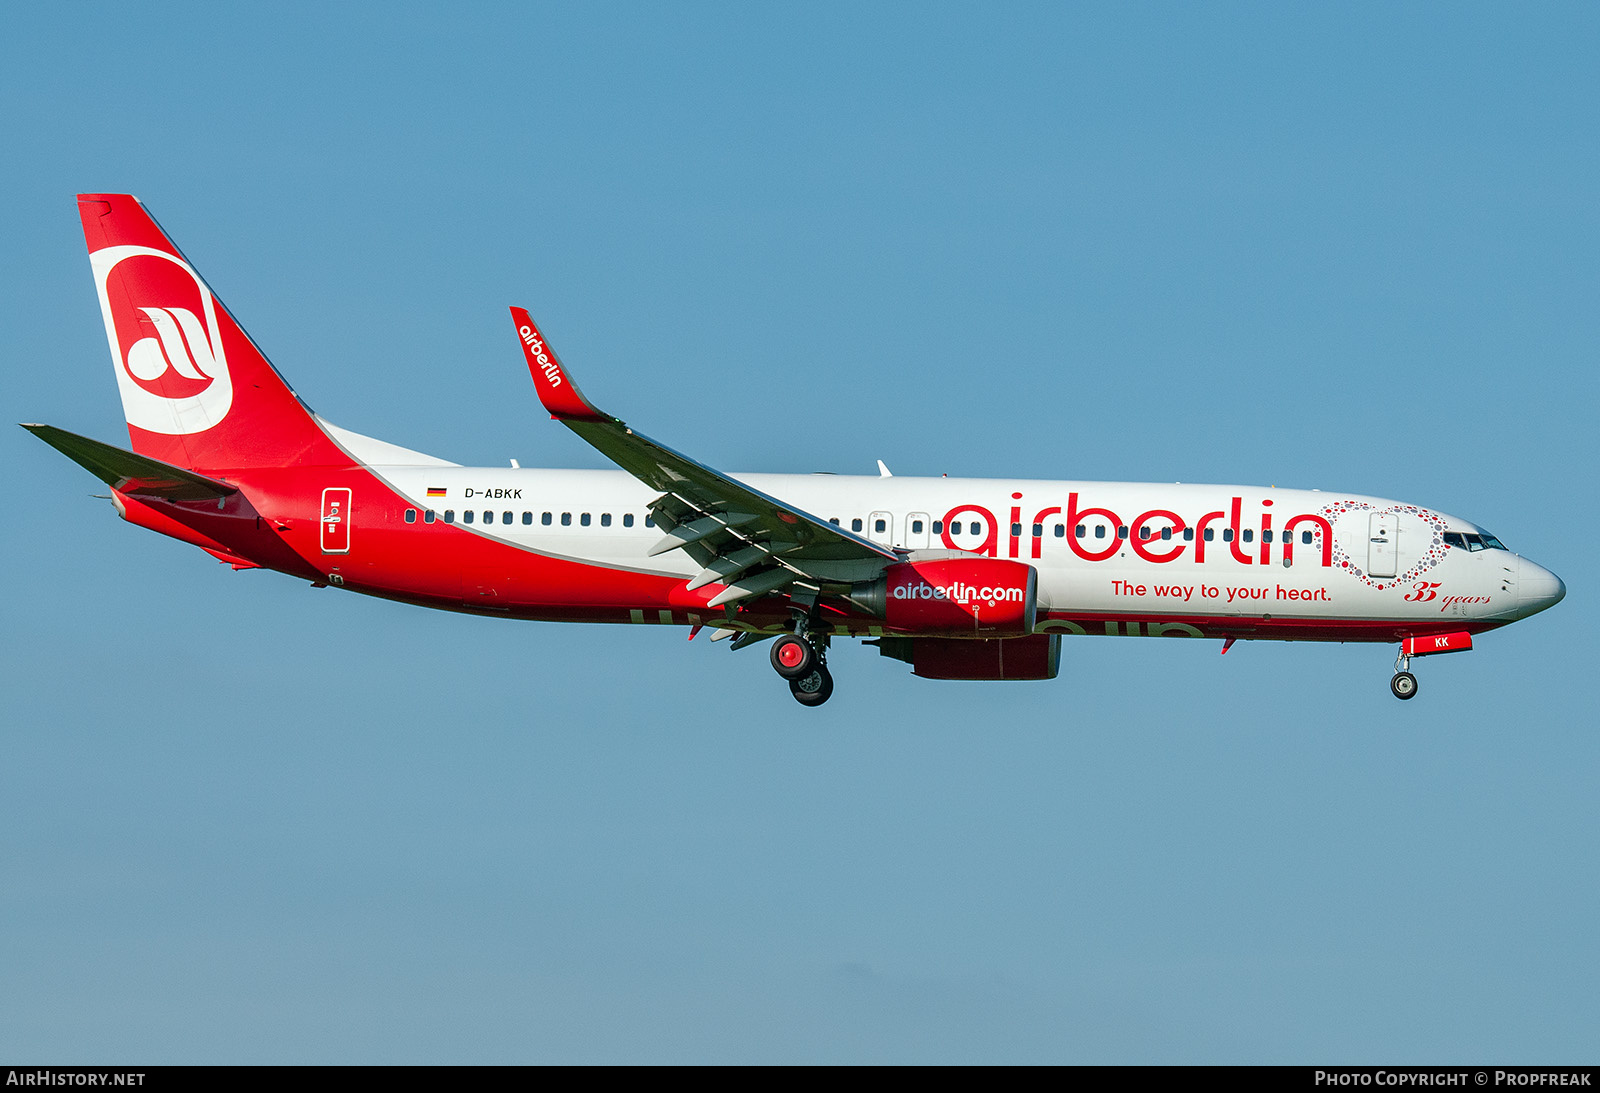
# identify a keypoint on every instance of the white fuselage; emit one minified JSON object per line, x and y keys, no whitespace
{"x":1168,"y":551}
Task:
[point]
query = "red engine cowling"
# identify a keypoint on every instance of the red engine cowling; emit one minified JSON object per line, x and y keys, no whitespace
{"x":966,"y":597}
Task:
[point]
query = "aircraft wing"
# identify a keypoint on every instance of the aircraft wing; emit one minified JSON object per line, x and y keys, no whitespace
{"x":748,"y":541}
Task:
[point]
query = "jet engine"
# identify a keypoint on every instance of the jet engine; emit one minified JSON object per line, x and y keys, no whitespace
{"x":954,"y":597}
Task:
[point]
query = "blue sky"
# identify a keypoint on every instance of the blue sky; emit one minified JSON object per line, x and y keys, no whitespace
{"x":1353,"y":249}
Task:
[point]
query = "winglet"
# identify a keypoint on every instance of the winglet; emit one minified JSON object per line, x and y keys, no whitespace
{"x":556,"y":389}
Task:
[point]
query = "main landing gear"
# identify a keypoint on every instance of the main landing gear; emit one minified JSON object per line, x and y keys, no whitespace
{"x":1404,"y":684}
{"x":801,"y":658}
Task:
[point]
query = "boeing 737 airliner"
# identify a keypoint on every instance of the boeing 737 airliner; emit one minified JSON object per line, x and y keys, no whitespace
{"x":971,"y":579}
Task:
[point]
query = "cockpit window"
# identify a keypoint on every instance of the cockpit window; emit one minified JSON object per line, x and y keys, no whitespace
{"x":1472,"y":542}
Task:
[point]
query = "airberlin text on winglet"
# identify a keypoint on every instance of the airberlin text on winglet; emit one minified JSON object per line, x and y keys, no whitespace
{"x":537,"y":355}
{"x":556,"y":390}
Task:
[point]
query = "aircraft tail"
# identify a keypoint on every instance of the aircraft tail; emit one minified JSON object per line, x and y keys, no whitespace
{"x":196,"y":391}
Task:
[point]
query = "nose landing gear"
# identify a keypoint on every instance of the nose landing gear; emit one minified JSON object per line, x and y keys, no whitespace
{"x":1404,"y":684}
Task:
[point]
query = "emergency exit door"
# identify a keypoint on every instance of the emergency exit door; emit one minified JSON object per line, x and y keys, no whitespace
{"x":336,"y":521}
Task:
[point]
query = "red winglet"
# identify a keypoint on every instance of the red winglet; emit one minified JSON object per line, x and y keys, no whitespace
{"x":556,"y":389}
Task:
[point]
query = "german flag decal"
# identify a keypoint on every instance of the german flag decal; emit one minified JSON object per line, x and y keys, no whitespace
{"x":436,"y":491}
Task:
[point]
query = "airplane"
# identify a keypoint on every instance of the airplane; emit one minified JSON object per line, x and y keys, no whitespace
{"x":964,"y":579}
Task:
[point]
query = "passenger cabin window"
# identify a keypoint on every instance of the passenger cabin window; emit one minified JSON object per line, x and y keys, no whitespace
{"x":855,"y":525}
{"x":411,"y":516}
{"x":507,"y":518}
{"x":1061,"y":531}
{"x":1038,"y":530}
{"x":1305,"y":537}
{"x":427,"y":516}
{"x":605,"y":519}
{"x":527,"y":518}
{"x":1249,"y":534}
{"x":880,"y":526}
{"x":938,"y":527}
{"x":1188,"y":535}
{"x":916,"y":527}
{"x":1122,"y":532}
{"x":1227,"y":534}
{"x":566,"y":519}
{"x":834,"y":520}
{"x":449,"y":516}
{"x":546,"y":518}
{"x":466,"y":516}
{"x":584,"y":519}
{"x":649,"y":521}
{"x":627,"y":519}
{"x":488,"y":517}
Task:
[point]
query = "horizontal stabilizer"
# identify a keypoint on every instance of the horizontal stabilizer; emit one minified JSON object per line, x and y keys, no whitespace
{"x":128,"y":472}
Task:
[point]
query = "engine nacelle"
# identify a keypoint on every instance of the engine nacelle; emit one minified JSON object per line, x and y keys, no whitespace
{"x":965,"y":597}
{"x":1037,"y":656}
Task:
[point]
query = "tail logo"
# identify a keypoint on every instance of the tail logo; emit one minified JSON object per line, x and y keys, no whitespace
{"x":161,"y":322}
{"x":179,"y":341}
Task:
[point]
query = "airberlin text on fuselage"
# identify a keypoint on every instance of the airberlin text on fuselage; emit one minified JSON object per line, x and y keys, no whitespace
{"x":1256,"y":550}
{"x":536,"y":347}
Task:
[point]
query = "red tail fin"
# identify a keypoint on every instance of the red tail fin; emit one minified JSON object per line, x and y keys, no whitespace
{"x":195,"y":389}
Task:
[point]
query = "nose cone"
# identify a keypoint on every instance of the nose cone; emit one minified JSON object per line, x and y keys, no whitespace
{"x":1537,"y":588}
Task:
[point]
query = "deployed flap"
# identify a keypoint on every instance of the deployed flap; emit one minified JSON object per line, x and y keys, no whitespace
{"x":128,"y":472}
{"x":691,"y":491}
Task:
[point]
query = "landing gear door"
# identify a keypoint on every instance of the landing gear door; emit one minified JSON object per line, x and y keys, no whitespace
{"x":1383,"y":539}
